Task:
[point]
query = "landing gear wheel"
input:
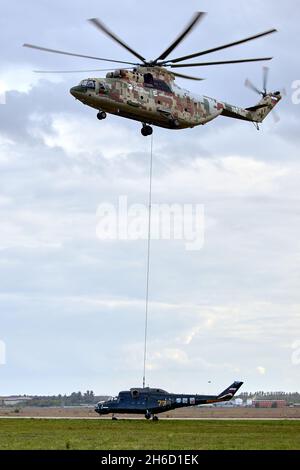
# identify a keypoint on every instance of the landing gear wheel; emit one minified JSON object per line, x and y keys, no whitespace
{"x":146,"y":130}
{"x":101,"y":115}
{"x":155,"y":418}
{"x":148,"y":415}
{"x":114,"y":418}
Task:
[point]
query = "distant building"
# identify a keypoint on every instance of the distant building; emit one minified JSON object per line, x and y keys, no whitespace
{"x":269,"y":403}
{"x":238,"y":402}
{"x":13,"y":401}
{"x":224,"y":404}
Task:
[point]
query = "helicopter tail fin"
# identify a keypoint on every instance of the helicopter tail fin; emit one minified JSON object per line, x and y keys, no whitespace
{"x":229,"y":392}
{"x":260,"y":111}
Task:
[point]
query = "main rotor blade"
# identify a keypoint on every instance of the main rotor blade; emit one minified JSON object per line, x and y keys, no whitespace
{"x":188,"y":77}
{"x":76,"y":71}
{"x":193,"y":22}
{"x":215,"y":49}
{"x":221,"y":62}
{"x":55,"y":51}
{"x":96,"y":22}
{"x":252,"y":87}
{"x":265,"y":78}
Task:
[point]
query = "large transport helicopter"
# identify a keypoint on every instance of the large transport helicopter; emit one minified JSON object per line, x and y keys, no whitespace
{"x":151,"y":401}
{"x":147,"y":92}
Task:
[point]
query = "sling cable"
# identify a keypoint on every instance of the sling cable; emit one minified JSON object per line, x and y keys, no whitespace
{"x":148,"y":260}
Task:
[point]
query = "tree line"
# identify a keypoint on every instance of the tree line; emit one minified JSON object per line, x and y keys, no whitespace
{"x":76,"y":398}
{"x":290,"y":397}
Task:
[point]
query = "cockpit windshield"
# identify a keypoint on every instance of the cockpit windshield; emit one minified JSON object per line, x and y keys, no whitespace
{"x":88,"y":84}
{"x":110,"y":399}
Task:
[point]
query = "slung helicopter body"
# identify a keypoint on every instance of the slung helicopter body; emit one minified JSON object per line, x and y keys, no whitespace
{"x":151,"y":401}
{"x":150,"y":95}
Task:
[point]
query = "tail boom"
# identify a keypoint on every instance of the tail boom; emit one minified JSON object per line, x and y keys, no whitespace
{"x":226,"y":395}
{"x":255,"y":113}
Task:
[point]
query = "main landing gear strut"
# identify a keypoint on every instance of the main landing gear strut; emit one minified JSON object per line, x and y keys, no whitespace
{"x":146,"y":130}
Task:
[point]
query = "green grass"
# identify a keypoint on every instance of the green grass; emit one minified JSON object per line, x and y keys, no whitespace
{"x":138,"y":434}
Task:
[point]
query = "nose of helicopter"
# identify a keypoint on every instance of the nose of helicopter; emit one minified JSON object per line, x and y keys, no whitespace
{"x":75,"y":91}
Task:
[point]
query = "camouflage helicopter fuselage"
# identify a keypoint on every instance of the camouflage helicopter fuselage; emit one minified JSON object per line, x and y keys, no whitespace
{"x":151,"y":96}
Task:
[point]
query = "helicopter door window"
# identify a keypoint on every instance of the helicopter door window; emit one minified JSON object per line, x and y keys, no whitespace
{"x":161,"y":85}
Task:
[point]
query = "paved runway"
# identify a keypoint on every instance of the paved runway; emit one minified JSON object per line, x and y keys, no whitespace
{"x":142,"y":418}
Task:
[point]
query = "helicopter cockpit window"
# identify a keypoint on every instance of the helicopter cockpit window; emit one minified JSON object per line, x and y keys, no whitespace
{"x":148,"y":80}
{"x":88,"y":84}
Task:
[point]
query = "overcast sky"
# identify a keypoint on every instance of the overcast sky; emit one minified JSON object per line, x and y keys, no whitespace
{"x":71,"y":305}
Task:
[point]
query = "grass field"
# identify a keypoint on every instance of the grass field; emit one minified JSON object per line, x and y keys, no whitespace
{"x":138,"y":434}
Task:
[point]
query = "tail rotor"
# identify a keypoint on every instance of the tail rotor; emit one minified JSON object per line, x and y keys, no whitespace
{"x":264,"y":92}
{"x":266,"y":71}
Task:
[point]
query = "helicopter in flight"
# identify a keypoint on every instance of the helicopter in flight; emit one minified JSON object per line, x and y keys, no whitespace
{"x":151,"y":401}
{"x":146,"y":91}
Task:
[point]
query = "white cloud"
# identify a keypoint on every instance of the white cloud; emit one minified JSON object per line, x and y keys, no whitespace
{"x":232,"y":175}
{"x":91,"y":138}
{"x":22,"y":79}
{"x":167,"y":357}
